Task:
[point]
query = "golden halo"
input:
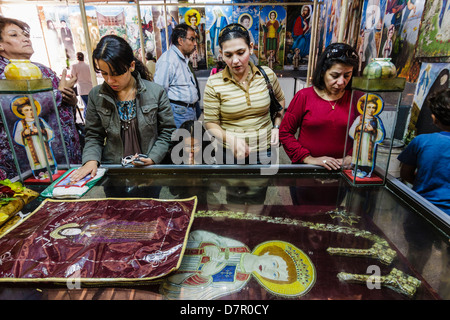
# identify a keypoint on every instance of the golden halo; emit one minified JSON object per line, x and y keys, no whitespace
{"x":370,"y":96}
{"x":55,"y":234}
{"x":304,"y":271}
{"x":18,"y":101}
{"x":245,"y":15}
{"x":276,"y":14}
{"x":189,"y":13}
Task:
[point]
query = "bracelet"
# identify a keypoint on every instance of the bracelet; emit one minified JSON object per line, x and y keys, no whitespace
{"x":276,"y":126}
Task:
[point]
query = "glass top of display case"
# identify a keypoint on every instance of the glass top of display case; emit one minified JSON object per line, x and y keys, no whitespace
{"x":326,"y":238}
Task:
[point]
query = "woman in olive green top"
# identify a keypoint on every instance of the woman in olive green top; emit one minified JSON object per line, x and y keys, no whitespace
{"x":127,"y":115}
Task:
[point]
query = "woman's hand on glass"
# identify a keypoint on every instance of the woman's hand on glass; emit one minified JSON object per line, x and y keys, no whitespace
{"x":328,"y":163}
{"x":89,"y":167}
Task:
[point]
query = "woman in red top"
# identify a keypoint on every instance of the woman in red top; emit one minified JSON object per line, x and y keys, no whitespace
{"x":321,"y":111}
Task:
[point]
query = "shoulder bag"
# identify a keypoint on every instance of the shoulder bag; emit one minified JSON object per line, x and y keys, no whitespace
{"x":275,"y":106}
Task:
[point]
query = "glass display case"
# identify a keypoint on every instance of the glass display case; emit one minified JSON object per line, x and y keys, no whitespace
{"x":302,"y":233}
{"x":37,"y":147}
{"x":368,"y":132}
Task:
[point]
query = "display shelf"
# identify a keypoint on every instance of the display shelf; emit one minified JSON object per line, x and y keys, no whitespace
{"x":25,"y":86}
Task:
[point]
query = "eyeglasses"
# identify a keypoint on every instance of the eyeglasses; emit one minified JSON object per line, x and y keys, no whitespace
{"x":336,"y":53}
{"x":193,"y":39}
{"x":129,"y":159}
{"x":232,"y":27}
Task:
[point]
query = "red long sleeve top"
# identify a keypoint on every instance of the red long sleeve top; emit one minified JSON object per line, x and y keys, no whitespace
{"x":322,"y":129}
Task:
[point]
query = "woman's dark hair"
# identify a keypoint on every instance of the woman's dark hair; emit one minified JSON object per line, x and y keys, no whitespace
{"x":180,"y":31}
{"x":234,"y":31}
{"x":440,"y":106}
{"x":7,"y":21}
{"x":117,"y":53}
{"x":334,"y":53}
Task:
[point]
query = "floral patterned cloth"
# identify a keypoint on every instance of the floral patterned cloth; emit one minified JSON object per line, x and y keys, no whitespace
{"x":71,"y":138}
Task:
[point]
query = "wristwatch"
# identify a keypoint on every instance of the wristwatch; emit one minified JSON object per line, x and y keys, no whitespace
{"x":276,"y":126}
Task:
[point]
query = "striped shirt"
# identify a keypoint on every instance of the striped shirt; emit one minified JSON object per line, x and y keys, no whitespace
{"x":173,"y":74}
{"x":243,"y":112}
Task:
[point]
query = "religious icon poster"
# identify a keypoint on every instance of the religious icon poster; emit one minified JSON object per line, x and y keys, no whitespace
{"x":148,"y":30}
{"x":434,"y":35}
{"x":195,"y":17}
{"x":400,"y":34}
{"x":433,"y":77}
{"x":36,"y":143}
{"x":272,"y":33}
{"x":248,"y":16}
{"x":163,"y":25}
{"x":370,"y":31}
{"x":217,"y":17}
{"x":298,"y":36}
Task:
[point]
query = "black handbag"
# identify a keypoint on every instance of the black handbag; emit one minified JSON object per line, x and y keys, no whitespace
{"x":275,"y":106}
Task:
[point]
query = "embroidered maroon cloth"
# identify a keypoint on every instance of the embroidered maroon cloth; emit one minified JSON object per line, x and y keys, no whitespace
{"x":109,"y":240}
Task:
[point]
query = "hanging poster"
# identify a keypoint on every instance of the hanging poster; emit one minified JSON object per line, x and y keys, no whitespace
{"x":163,"y":27}
{"x":298,"y":36}
{"x":217,"y":17}
{"x":148,"y":30}
{"x":272,"y":33}
{"x":94,"y":31}
{"x":50,"y":21}
{"x":433,"y":77}
{"x":132,"y":30}
{"x":400,"y":32}
{"x":195,"y":17}
{"x":352,"y":23}
{"x":111,"y":20}
{"x":434,"y":34}
{"x":248,"y":16}
{"x":370,"y":31}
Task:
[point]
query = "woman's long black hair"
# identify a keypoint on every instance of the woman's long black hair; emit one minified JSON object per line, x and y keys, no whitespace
{"x":117,"y":53}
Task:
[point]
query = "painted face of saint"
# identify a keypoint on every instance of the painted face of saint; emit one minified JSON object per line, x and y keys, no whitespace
{"x":71,"y":232}
{"x":27,"y":111}
{"x":272,"y":267}
{"x":371,"y":108}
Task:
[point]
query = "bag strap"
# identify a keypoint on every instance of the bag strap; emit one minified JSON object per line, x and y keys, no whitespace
{"x":79,"y":112}
{"x":269,"y":84}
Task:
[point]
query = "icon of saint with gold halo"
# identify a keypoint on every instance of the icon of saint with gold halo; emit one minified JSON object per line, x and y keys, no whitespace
{"x":367,"y":131}
{"x":193,"y":18}
{"x":26,"y":134}
{"x":214,"y":266}
{"x":272,"y":29}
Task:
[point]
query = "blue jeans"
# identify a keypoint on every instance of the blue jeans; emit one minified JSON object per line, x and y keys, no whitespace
{"x":182,"y":114}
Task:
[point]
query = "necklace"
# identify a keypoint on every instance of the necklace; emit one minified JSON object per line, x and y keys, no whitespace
{"x":332,"y":105}
{"x":325,"y":96}
{"x":246,"y":80}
